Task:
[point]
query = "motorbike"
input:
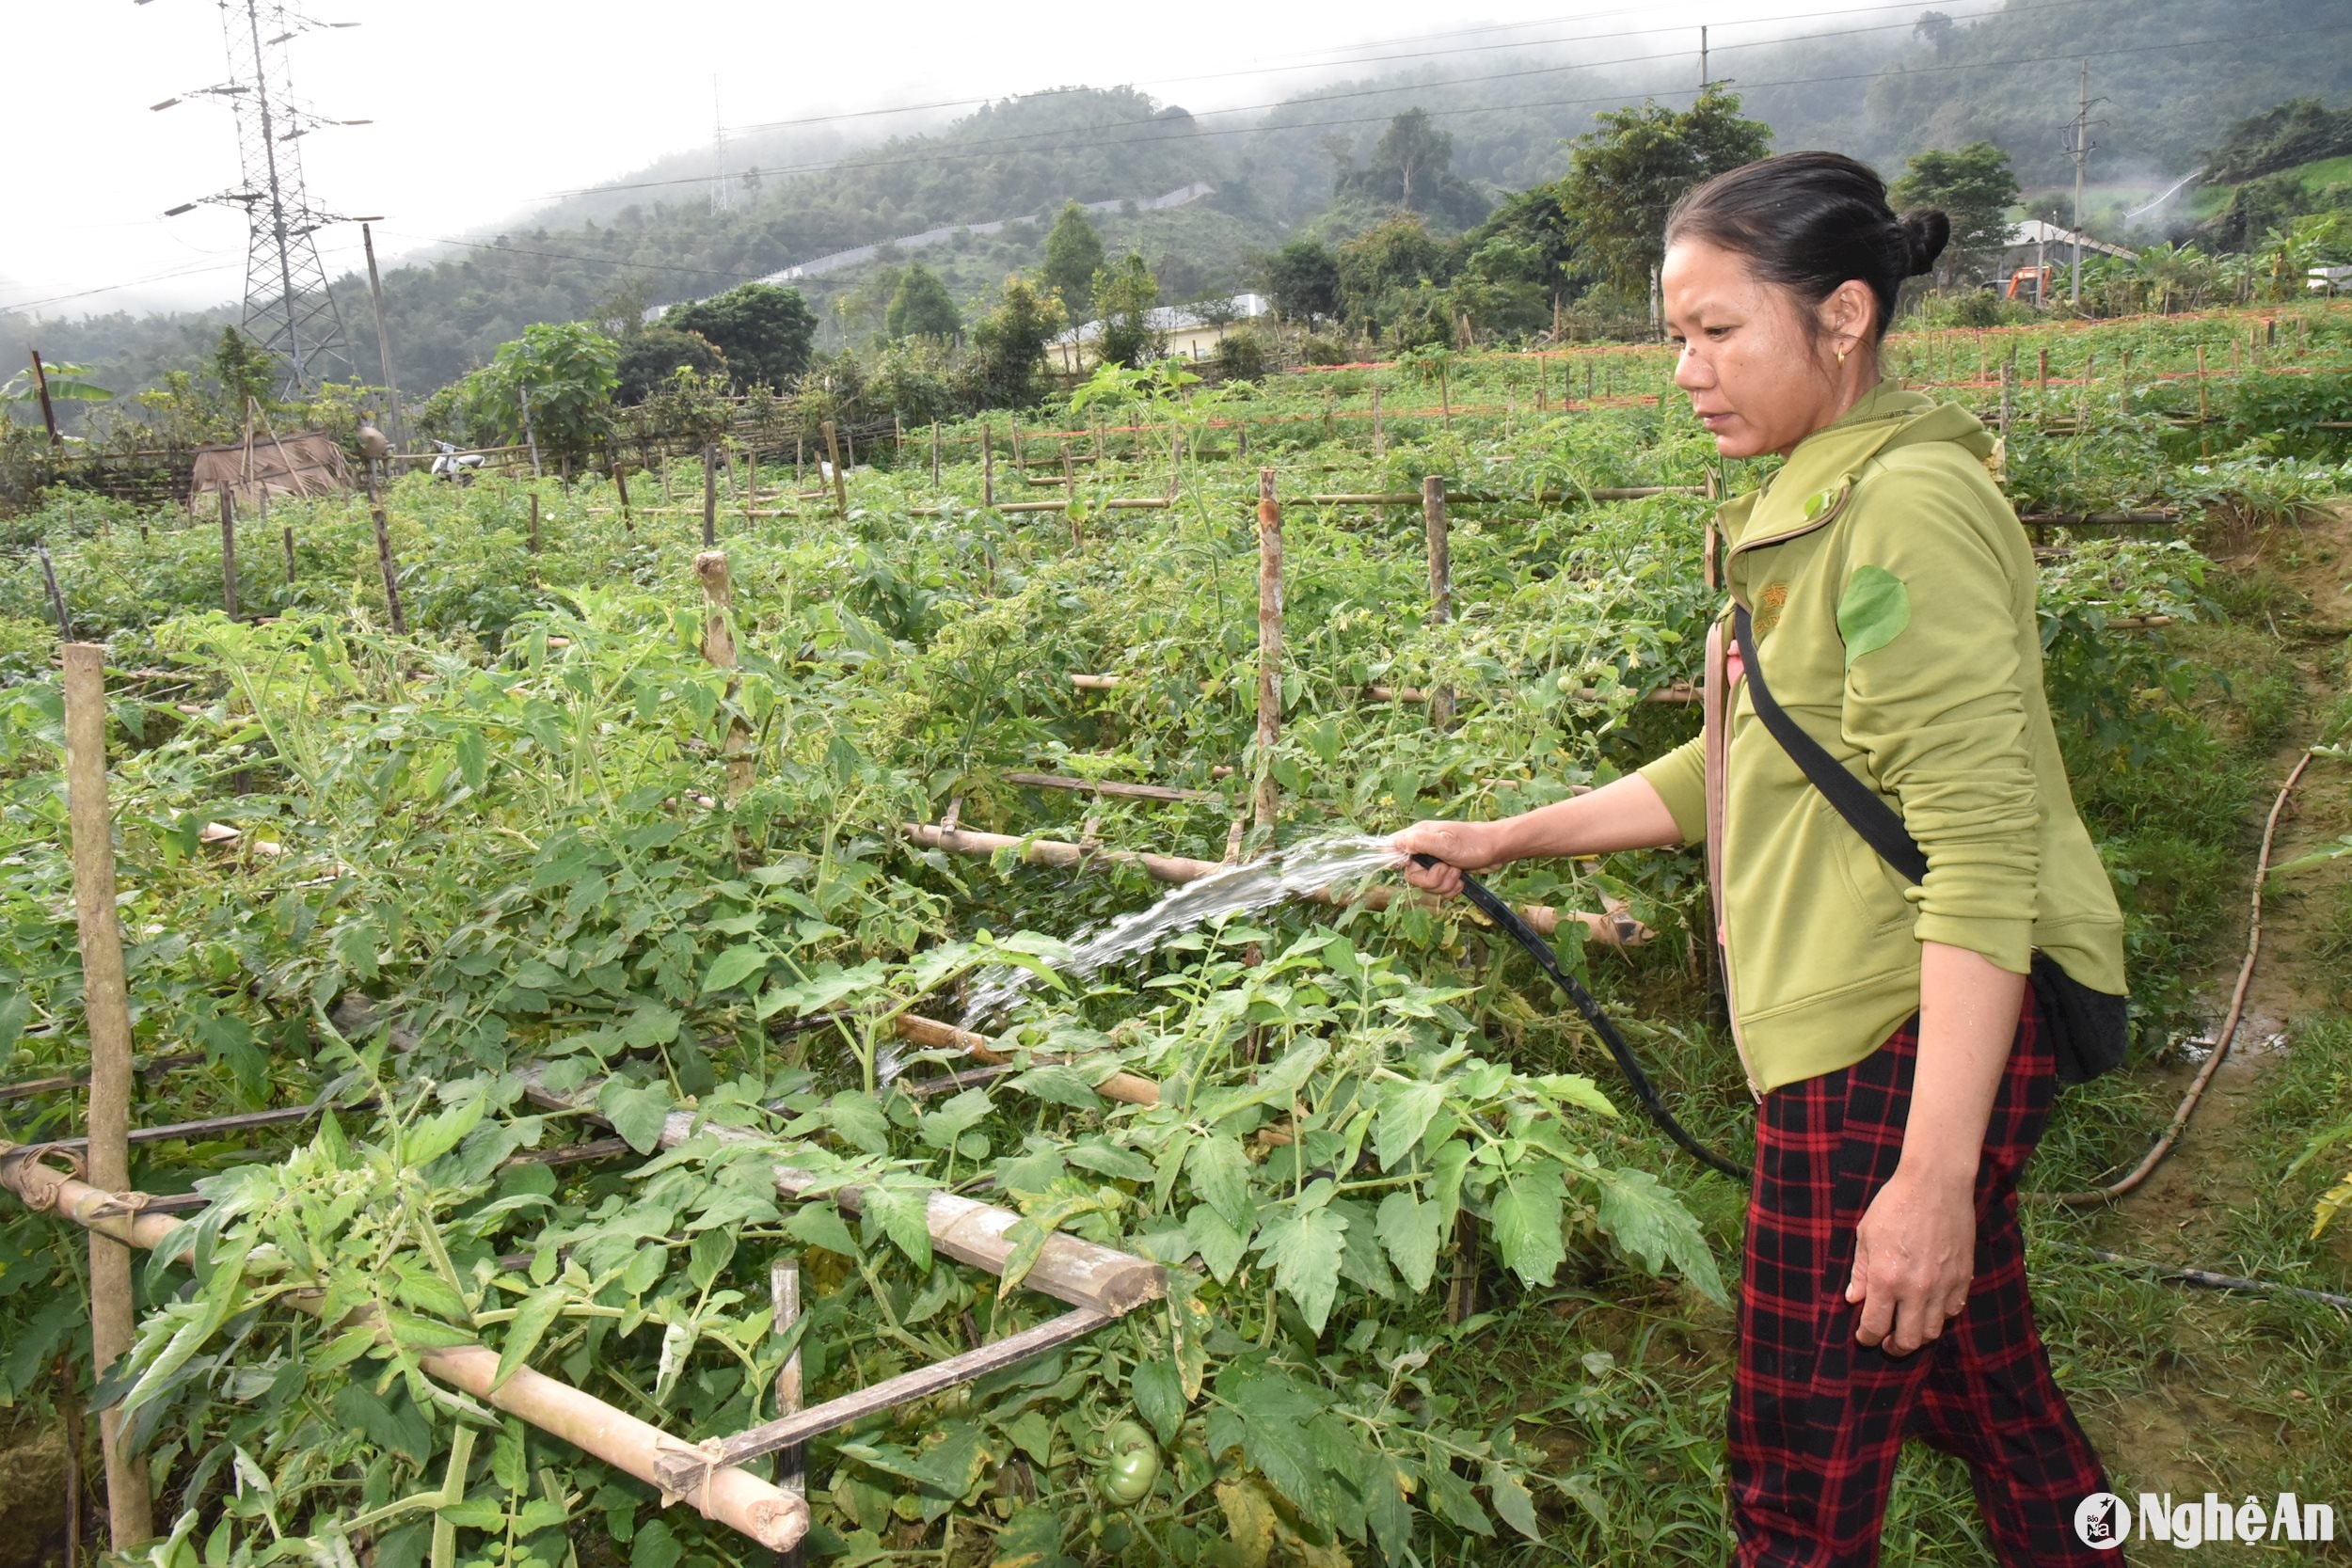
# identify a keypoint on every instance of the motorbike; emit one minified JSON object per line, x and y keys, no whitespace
{"x":458,"y":468}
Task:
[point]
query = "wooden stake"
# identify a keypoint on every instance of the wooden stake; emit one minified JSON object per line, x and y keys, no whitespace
{"x":988,"y":466}
{"x":290,"y":556}
{"x":384,"y":558}
{"x":227,"y":553}
{"x":2005,"y":401}
{"x":40,"y":385}
{"x":934,"y":455}
{"x":849,"y":444}
{"x":784,"y":1296}
{"x":1440,"y":583}
{"x":710,"y":496}
{"x":57,"y":594}
{"x":897,"y":436}
{"x":1445,"y":394}
{"x":1327,"y":413}
{"x":1379,"y":437}
{"x":2082,"y":399}
{"x":1269,"y":645}
{"x":840,"y":482}
{"x":1069,"y":500}
{"x":2042,"y":371}
{"x":106,"y":1007}
{"x":2203,"y":414}
{"x":1019,"y":462}
{"x":620,"y":483}
{"x":719,"y":650}
{"x":534,"y":529}
{"x":528,"y":439}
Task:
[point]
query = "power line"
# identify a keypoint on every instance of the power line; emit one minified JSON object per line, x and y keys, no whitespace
{"x":1417,"y":55}
{"x":1373,"y":119}
{"x":991,"y":147}
{"x":996,"y":143}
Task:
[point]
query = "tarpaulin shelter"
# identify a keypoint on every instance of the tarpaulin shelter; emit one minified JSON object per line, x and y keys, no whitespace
{"x":307,"y":462}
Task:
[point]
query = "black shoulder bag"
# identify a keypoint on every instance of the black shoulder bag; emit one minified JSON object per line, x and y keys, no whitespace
{"x":2090,"y":1030}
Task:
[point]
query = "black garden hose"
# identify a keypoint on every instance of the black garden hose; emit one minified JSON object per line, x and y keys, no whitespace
{"x":1487,"y":903}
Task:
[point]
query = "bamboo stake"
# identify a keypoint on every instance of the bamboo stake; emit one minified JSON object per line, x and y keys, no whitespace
{"x":1070,"y":503}
{"x":384,"y":558}
{"x":227,"y":553}
{"x":288,"y":534}
{"x":719,"y":650}
{"x":766,"y":1514}
{"x":934,"y":455}
{"x":2042,"y":371}
{"x":1379,"y":438}
{"x":988,"y":466}
{"x":840,"y":484}
{"x":535,"y":535}
{"x":1440,"y":583}
{"x":1269,"y":646}
{"x":620,"y":483}
{"x":106,"y":1005}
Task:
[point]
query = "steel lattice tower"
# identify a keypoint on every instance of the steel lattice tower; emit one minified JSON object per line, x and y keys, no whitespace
{"x":288,"y":308}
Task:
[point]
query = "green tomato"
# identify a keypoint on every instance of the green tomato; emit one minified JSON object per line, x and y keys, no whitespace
{"x":1133,"y":1465}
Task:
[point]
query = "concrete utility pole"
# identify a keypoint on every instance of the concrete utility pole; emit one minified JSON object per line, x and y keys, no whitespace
{"x":1702,"y":59}
{"x":383,"y":337}
{"x":2080,"y":147}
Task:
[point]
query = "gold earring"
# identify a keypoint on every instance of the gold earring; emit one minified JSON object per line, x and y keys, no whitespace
{"x":1841,"y":355}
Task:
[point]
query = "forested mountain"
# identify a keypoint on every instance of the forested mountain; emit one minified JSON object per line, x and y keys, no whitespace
{"x":2175,"y":74}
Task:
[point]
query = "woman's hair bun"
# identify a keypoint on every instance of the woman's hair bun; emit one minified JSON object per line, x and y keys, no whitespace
{"x":1924,"y":232}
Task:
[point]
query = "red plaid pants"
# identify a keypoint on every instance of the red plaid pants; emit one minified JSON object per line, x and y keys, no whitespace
{"x":1816,"y":1417}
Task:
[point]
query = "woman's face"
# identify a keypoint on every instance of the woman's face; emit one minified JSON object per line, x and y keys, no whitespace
{"x":1761,"y":367}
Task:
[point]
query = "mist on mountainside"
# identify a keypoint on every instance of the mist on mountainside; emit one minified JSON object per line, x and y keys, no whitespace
{"x":1880,"y":85}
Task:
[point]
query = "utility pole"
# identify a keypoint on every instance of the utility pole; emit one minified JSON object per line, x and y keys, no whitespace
{"x":382,"y":337}
{"x":2080,"y":146}
{"x":1702,"y":59}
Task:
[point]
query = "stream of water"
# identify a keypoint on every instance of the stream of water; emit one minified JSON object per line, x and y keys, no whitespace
{"x":1303,"y":868}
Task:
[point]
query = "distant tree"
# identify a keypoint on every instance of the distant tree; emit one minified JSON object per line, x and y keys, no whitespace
{"x":1074,"y":254}
{"x":766,"y":332}
{"x":655,"y":355}
{"x":1975,"y":187}
{"x":1937,"y":31}
{"x":1303,"y":281}
{"x":922,"y":308}
{"x":242,"y":368}
{"x":1009,"y":344}
{"x":1624,"y":177}
{"x":621,"y":314}
{"x":1412,"y":167}
{"x":1399,"y":254}
{"x":2299,"y":131}
{"x":1530,"y":239}
{"x":1125,"y":296}
{"x":570,"y":370}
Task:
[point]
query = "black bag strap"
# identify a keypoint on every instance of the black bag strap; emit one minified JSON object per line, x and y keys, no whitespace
{"x":1880,"y":825}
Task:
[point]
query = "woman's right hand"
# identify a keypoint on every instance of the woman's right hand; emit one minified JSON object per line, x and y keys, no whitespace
{"x":1456,"y":847}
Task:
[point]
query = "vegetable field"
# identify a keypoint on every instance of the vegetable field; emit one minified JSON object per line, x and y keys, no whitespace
{"x":575,"y":974}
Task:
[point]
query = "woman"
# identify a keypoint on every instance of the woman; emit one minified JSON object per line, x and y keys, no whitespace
{"x":1886,"y":1027}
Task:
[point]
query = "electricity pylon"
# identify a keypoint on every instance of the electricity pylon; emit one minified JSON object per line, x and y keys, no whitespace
{"x":289,"y":310}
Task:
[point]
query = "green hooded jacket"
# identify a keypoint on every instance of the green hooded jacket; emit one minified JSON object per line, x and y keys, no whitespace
{"x":1893,"y":593}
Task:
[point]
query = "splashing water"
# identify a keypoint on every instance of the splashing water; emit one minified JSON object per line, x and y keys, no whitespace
{"x":1304,"y":868}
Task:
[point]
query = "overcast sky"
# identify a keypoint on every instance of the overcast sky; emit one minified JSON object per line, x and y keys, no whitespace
{"x":482,"y":109}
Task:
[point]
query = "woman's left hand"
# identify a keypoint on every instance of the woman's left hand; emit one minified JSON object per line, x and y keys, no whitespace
{"x":1915,"y":1255}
